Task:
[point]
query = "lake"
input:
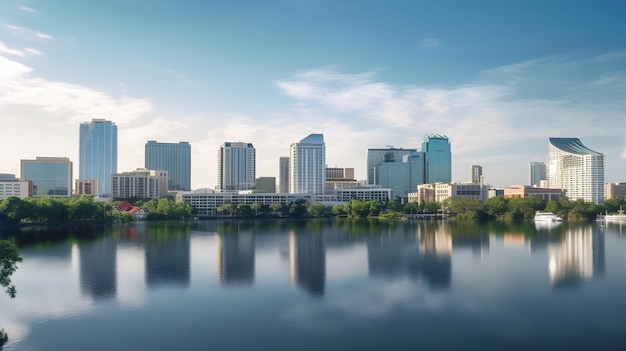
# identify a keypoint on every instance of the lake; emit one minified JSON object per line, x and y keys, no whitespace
{"x":323,"y":284}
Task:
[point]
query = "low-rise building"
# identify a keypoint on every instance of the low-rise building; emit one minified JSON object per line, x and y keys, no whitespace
{"x":51,"y":176}
{"x":86,"y":187}
{"x":547,"y":194}
{"x":614,"y":191}
{"x":206,"y":202}
{"x":441,"y":191}
{"x":12,"y":186}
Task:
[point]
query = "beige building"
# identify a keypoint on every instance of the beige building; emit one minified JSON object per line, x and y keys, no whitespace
{"x":547,"y":194}
{"x":86,"y":187}
{"x":614,"y":191}
{"x":441,"y":191}
{"x":265,"y":185}
{"x":142,"y":183}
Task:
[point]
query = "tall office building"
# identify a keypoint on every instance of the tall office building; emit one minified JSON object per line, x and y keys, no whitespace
{"x":476,"y":174}
{"x":51,"y":176}
{"x":438,"y":158}
{"x":283,"y":175}
{"x":175,"y":158}
{"x":537,"y":173}
{"x":307,"y":165}
{"x":575,"y":168}
{"x":376,"y":157}
{"x":236,"y":166}
{"x":402,"y":176}
{"x":98,"y":153}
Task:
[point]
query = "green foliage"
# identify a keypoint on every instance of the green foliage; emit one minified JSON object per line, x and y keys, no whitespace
{"x":8,"y":265}
{"x":317,"y":210}
{"x":277,"y":209}
{"x":394,"y":205}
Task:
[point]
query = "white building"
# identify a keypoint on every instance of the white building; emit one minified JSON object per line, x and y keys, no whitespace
{"x":575,"y":168}
{"x":236,"y":166}
{"x":11,"y":186}
{"x":142,"y":183}
{"x":441,"y":191}
{"x":206,"y":203}
{"x":307,"y":165}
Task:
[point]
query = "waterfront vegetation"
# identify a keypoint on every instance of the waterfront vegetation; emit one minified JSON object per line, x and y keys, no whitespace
{"x":8,"y":265}
{"x":14,"y":211}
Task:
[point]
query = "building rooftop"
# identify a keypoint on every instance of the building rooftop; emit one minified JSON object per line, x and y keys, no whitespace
{"x":572,"y":145}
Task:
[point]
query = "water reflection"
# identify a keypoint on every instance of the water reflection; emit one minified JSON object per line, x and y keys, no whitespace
{"x":577,"y":257}
{"x":307,"y":259}
{"x":98,"y":268}
{"x":236,"y":258}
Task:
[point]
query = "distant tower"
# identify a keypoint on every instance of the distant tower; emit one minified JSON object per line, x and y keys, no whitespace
{"x":98,"y":153}
{"x":537,"y":173}
{"x":283,"y":175}
{"x":236,"y":167}
{"x":476,"y":174}
{"x":575,"y":168}
{"x":175,"y":158}
{"x":438,"y":158}
{"x":307,"y":165}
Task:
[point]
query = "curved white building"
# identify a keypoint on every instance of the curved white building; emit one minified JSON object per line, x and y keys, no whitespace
{"x":575,"y":168}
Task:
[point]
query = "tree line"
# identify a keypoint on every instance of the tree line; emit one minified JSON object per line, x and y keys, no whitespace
{"x":14,"y":210}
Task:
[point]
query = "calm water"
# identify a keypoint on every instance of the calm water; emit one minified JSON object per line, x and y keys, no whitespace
{"x":320,"y":285}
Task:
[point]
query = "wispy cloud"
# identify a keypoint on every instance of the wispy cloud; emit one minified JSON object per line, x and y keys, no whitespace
{"x":43,"y":35}
{"x":27,"y":32}
{"x":14,"y":27}
{"x":27,"y":9}
{"x":33,"y":51}
{"x":7,"y":50}
{"x":431,"y":42}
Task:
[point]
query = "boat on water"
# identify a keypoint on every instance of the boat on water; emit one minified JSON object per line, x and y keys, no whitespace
{"x":547,"y":217}
{"x":619,"y":217}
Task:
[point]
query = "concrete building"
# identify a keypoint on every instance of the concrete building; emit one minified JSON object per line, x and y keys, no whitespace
{"x":236,"y":166}
{"x":548,"y":194}
{"x":206,"y":203}
{"x":307,"y":165}
{"x":265,"y":185}
{"x":98,"y":153}
{"x":12,"y":186}
{"x":615,"y":191}
{"x":537,"y":173}
{"x":141,"y":183}
{"x":575,"y":168}
{"x":175,"y":158}
{"x":363,"y":194}
{"x":441,"y":191}
{"x":438,"y":157}
{"x":86,"y":187}
{"x":283,"y":175}
{"x":51,"y":176}
{"x":476,"y":174}
{"x":339,"y":178}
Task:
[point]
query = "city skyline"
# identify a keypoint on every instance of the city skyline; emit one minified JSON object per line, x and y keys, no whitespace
{"x":271,"y":73}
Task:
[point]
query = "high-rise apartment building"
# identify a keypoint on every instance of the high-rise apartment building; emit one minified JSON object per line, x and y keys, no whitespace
{"x":141,"y":183}
{"x":307,"y":165}
{"x":438,"y":157}
{"x":283,"y":175}
{"x":575,"y":168}
{"x":537,"y":173}
{"x":98,"y":153}
{"x":175,"y":158}
{"x":51,"y":176}
{"x":236,"y":166}
{"x":476,"y":174}
{"x":376,"y":157}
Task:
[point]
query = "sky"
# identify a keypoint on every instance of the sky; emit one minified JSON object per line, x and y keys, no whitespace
{"x":497,"y":77}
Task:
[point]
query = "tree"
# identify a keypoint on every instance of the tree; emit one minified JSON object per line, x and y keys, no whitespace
{"x":394,"y":205}
{"x":338,"y":210}
{"x":8,"y":265}
{"x":317,"y":210}
{"x":256,"y":207}
{"x":277,"y":208}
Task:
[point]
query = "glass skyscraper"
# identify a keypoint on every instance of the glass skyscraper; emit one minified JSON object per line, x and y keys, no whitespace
{"x":51,"y":176}
{"x":98,"y":153}
{"x":575,"y":168}
{"x":236,"y":166}
{"x":537,"y":173}
{"x":307,"y":165}
{"x":438,"y":159}
{"x":175,"y":158}
{"x":376,"y":157}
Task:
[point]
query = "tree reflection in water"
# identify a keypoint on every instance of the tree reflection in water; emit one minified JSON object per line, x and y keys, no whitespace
{"x":8,"y":264}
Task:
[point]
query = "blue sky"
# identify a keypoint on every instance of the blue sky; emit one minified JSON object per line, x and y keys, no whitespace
{"x":497,"y":77}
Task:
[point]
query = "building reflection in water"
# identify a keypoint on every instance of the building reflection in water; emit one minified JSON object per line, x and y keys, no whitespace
{"x":167,"y":257}
{"x":426,"y":255}
{"x":577,"y":257}
{"x":98,"y":268}
{"x":235,"y":262}
{"x":307,"y":258}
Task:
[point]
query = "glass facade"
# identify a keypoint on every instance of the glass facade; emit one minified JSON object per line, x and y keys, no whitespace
{"x":51,"y":176}
{"x":438,"y":158}
{"x":98,"y":153}
{"x":376,"y":157}
{"x":537,"y":173}
{"x":175,"y":158}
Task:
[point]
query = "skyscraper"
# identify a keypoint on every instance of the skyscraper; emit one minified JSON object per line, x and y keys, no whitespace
{"x":283,"y":175}
{"x":476,"y":174}
{"x":537,"y":173}
{"x":438,"y":158}
{"x":175,"y":158}
{"x":575,"y":168}
{"x":51,"y":176}
{"x":376,"y":157}
{"x":236,"y":166}
{"x":98,"y":153}
{"x":307,"y":165}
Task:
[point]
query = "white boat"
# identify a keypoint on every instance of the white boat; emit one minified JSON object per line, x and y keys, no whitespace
{"x":547,"y":217}
{"x":619,"y":217}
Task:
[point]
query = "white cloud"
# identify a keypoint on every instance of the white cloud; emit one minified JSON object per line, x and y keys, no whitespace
{"x":33,"y":51}
{"x":15,"y":28}
{"x":27,"y":9}
{"x":42,"y":35}
{"x":7,"y":50}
